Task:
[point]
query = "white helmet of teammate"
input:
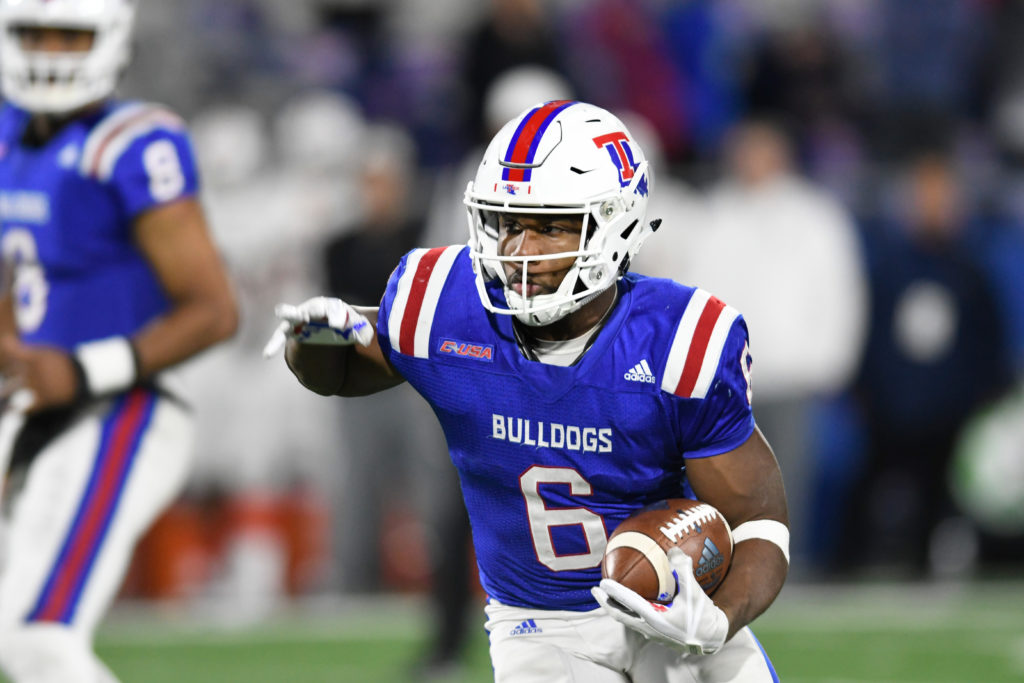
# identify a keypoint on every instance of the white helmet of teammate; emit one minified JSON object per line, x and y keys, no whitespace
{"x":57,"y":83}
{"x":560,"y":157}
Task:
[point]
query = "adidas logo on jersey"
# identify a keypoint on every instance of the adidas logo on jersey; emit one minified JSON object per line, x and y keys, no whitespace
{"x":526,"y":628}
{"x":641,"y":372}
{"x":710,"y":558}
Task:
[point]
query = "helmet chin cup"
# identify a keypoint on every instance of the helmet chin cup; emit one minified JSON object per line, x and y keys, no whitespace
{"x":538,"y":312}
{"x":62,"y":82}
{"x":560,"y":157}
{"x":544,"y":309}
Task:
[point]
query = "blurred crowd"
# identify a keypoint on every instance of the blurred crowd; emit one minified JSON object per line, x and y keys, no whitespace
{"x":848,"y":174}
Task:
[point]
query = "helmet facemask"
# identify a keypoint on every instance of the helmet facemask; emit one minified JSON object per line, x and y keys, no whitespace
{"x":61,"y":82}
{"x":612,"y":212}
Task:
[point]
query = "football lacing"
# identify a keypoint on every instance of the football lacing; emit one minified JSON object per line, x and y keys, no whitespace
{"x":684,"y":522}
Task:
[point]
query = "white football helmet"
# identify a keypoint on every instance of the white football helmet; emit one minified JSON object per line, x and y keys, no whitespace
{"x":560,"y":157}
{"x":57,"y":83}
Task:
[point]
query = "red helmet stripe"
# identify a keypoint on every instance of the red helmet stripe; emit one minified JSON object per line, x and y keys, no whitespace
{"x":523,"y":146}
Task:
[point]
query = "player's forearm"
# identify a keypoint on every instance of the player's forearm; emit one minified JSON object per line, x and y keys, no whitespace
{"x":332,"y":348}
{"x":755,"y":577}
{"x":189,"y":328}
{"x":341,"y":370}
{"x":319,"y":368}
{"x":8,"y":326}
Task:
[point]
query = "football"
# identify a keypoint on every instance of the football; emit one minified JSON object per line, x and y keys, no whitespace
{"x":637,"y":552}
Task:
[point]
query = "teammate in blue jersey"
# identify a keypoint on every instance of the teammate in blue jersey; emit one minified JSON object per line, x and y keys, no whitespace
{"x":572,"y":393}
{"x":110,"y":279}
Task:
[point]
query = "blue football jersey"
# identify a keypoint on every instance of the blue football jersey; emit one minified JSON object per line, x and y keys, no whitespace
{"x":66,"y":214}
{"x":551,"y":459}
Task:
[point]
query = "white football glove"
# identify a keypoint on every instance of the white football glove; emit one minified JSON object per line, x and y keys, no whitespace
{"x":321,"y":320}
{"x":692,"y":622}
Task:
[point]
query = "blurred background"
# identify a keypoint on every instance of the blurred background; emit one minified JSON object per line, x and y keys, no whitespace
{"x":849,"y":174}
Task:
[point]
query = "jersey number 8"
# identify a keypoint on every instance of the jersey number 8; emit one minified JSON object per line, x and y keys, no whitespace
{"x":166,"y":180}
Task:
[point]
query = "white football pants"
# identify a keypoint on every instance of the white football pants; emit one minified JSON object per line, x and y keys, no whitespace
{"x":88,"y":497}
{"x":538,"y":646}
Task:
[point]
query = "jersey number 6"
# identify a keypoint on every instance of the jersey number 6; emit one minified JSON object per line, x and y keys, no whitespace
{"x":543,"y":518}
{"x":30,"y":287}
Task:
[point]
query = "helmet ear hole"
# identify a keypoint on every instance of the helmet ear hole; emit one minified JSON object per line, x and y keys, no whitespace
{"x":625,"y":235}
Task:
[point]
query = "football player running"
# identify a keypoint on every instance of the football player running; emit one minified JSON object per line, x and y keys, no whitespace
{"x":572,"y":392}
{"x":110,"y":279}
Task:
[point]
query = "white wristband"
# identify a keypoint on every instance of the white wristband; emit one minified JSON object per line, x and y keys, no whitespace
{"x":108,"y":365}
{"x":765,"y":529}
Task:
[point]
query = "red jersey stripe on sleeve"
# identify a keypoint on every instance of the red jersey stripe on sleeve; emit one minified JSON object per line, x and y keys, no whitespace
{"x":417,"y":298}
{"x":418,"y":288}
{"x":697,"y":346}
{"x":108,"y":141}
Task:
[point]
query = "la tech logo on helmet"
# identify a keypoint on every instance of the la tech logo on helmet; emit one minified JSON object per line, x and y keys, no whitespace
{"x":621,"y":153}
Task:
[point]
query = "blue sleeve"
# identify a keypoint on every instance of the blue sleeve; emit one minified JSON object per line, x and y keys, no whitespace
{"x":386,"y":302}
{"x":156,"y":168}
{"x":725,"y":419}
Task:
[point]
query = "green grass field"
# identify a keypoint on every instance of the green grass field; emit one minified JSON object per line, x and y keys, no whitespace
{"x":821,"y":634}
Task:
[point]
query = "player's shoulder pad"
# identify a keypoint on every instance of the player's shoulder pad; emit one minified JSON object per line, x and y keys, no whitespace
{"x":420,"y":278}
{"x":697,"y":344}
{"x":118,"y":129}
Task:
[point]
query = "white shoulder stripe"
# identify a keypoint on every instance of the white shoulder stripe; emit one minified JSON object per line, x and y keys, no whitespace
{"x":431,"y":298}
{"x":697,"y":346}
{"x":415,"y":303}
{"x":713,"y":354}
{"x":111,"y":138}
{"x":681,"y":341}
{"x":112,"y":122}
